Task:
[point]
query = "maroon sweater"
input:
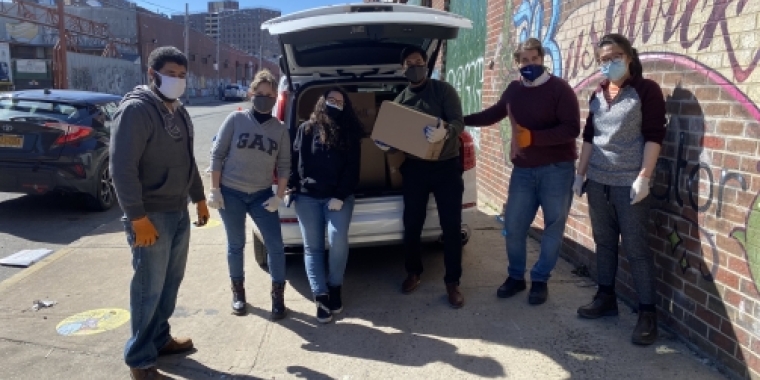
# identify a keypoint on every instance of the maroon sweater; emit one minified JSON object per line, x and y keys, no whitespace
{"x":551,"y":113}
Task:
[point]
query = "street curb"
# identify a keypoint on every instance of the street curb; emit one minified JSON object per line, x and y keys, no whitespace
{"x":18,"y":277}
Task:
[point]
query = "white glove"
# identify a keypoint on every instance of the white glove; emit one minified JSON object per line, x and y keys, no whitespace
{"x":382,"y":145}
{"x":335,"y":204}
{"x":436,"y":133}
{"x":578,"y":184}
{"x":215,"y":199}
{"x":639,"y":189}
{"x":272,"y":204}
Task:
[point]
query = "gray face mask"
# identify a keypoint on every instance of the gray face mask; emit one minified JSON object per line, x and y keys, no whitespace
{"x":263,"y":104}
{"x":416,"y":74}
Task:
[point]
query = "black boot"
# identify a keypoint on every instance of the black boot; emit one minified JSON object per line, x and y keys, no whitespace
{"x":645,"y":332}
{"x":336,"y":303}
{"x":603,"y":305}
{"x":324,"y":315}
{"x":278,"y":301}
{"x":239,"y":306}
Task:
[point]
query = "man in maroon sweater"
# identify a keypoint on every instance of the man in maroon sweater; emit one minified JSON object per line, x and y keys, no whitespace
{"x":545,"y":118}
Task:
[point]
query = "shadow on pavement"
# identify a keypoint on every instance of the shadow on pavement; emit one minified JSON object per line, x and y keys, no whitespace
{"x":188,"y":368}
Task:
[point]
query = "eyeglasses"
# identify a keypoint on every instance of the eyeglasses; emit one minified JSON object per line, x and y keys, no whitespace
{"x":335,"y":102}
{"x":615,"y":58}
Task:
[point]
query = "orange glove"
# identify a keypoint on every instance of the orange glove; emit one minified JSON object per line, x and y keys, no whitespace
{"x":145,"y":233}
{"x":203,"y":214}
{"x":522,"y":136}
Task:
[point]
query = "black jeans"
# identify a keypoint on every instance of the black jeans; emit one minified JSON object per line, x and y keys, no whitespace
{"x":444,"y":180}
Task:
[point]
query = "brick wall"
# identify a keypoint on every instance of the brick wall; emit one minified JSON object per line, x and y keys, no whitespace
{"x":202,"y":79}
{"x":705,"y":221}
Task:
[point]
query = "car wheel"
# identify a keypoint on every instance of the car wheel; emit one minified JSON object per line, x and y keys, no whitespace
{"x":260,"y":253}
{"x":105,"y":196}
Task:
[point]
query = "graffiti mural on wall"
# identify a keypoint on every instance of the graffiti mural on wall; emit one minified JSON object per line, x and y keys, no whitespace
{"x":699,"y":46}
{"x":464,"y":59}
{"x":101,"y":74}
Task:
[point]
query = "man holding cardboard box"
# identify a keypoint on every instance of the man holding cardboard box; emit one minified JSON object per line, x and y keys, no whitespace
{"x":436,"y":168}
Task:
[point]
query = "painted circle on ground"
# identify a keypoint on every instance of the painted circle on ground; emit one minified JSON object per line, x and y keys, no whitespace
{"x":92,"y":322}
{"x":210,"y":224}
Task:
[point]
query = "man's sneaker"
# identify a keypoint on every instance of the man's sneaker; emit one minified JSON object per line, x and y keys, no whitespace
{"x":539,"y":292}
{"x":510,"y":288}
{"x":603,"y":305}
{"x":324,"y":315}
{"x":336,"y":303}
{"x":146,"y":374}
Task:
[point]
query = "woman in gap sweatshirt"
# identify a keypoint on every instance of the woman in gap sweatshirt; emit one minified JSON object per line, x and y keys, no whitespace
{"x":545,"y":118}
{"x":248,"y":148}
{"x":621,"y":142}
{"x":326,"y":163}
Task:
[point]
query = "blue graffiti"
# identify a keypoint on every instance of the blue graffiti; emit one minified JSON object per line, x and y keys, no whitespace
{"x":529,"y":18}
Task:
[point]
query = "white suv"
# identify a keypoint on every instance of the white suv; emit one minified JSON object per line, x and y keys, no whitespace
{"x":358,"y":47}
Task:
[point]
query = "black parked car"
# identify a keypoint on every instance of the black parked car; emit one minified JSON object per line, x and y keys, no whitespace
{"x":57,"y":140}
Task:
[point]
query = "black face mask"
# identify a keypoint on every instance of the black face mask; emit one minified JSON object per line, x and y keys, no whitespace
{"x":263,"y":104}
{"x":333,"y":113}
{"x":416,"y":74}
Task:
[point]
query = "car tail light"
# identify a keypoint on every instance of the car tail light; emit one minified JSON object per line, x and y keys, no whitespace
{"x":468,"y":205}
{"x":79,"y":170}
{"x":282,"y":100}
{"x":71,"y":133}
{"x":467,"y":150}
{"x":288,"y":220}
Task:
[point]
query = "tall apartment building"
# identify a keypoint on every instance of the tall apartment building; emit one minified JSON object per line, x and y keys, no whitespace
{"x":237,"y":27}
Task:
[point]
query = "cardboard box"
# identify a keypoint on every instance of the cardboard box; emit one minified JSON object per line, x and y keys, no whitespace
{"x":404,"y":129}
{"x":394,"y":161}
{"x":372,"y":175}
{"x":365,"y":108}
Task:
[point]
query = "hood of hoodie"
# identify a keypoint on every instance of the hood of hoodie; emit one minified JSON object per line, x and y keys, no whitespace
{"x":145,"y":93}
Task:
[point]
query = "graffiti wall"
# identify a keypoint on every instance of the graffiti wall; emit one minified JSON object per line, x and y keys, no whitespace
{"x":464,"y":58}
{"x":705,"y":221}
{"x":101,"y":74}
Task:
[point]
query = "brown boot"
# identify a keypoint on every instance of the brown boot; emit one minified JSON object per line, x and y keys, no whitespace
{"x":239,"y":306}
{"x":645,"y":332}
{"x":176,"y":346}
{"x":278,"y":301}
{"x":146,"y":374}
{"x":603,"y":305}
{"x":456,"y":300}
{"x":410,"y":284}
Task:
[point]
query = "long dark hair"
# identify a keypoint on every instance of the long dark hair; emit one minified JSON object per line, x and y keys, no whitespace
{"x":341,"y":133}
{"x":634,"y":69}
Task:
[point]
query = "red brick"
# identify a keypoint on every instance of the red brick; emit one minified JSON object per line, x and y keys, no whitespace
{"x":748,"y":288}
{"x":730,"y":127}
{"x":730,"y":161}
{"x":739,"y":266}
{"x":722,"y":341}
{"x":741,"y":146}
{"x":708,"y":316}
{"x":727,"y":278}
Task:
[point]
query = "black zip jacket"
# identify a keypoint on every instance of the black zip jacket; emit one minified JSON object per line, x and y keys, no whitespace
{"x":323,"y":172}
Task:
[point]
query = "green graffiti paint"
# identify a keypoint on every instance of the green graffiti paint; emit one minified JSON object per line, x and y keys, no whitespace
{"x":464,"y":58}
{"x":749,"y":238}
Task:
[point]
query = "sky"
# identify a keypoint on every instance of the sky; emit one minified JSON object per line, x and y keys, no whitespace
{"x":285,"y":6}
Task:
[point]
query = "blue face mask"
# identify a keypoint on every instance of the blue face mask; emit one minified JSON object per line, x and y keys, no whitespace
{"x":614,"y":70}
{"x":532,"y":72}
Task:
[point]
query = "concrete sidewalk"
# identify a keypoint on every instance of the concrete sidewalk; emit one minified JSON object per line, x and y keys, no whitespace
{"x":381,"y":334}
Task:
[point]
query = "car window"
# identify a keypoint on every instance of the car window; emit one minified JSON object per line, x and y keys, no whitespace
{"x":23,"y":108}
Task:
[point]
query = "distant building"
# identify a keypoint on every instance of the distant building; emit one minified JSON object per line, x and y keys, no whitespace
{"x":237,"y":27}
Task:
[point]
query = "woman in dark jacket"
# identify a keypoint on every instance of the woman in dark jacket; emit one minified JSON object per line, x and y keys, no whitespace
{"x":326,"y":158}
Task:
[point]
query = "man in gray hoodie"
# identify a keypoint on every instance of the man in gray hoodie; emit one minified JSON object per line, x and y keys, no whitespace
{"x":154,"y":172}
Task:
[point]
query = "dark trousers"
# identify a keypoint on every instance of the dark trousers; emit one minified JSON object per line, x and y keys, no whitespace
{"x":444,"y":180}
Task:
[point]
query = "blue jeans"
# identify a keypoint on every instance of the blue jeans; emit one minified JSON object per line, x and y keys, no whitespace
{"x":550,"y":187}
{"x":314,"y":217}
{"x":236,"y":205}
{"x":159,"y":270}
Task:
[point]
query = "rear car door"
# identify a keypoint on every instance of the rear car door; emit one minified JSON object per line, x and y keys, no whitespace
{"x":360,"y":40}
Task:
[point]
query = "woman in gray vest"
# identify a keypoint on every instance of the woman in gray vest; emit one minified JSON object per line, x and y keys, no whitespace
{"x":621,"y":143}
{"x":248,"y":148}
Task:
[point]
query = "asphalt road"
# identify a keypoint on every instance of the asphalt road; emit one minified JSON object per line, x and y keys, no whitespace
{"x":53,"y":222}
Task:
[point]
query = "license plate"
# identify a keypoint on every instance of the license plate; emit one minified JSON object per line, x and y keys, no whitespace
{"x":11,"y":141}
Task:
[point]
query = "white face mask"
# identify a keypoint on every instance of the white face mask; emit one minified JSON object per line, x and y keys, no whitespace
{"x":171,"y":87}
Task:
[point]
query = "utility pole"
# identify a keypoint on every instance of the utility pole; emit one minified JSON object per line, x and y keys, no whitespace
{"x":187,"y":44}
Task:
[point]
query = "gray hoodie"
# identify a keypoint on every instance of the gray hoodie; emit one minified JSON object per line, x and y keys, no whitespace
{"x":152,"y":161}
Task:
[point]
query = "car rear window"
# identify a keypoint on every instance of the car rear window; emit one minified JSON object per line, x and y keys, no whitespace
{"x":20,"y":108}
{"x":354,"y":52}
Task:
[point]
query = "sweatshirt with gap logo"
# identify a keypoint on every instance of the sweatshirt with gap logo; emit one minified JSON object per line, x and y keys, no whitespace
{"x":247,"y":152}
